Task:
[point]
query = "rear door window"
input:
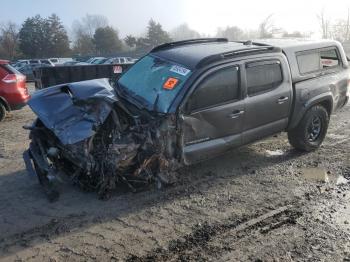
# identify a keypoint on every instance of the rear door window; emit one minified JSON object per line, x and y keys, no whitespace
{"x":217,"y":88}
{"x":263,"y":76}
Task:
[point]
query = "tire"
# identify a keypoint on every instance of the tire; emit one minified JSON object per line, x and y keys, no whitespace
{"x":2,"y":112}
{"x":309,"y":134}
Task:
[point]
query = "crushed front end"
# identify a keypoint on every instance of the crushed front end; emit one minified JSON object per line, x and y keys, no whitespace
{"x":86,"y":135}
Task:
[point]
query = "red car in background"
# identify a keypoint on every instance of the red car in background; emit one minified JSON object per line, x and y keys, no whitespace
{"x":13,"y":90}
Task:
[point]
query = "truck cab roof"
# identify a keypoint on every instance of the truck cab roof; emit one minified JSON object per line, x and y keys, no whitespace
{"x":196,"y":53}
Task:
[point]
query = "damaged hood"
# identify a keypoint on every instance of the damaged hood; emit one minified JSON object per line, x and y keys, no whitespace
{"x":73,"y":111}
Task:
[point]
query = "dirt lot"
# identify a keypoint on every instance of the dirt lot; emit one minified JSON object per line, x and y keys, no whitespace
{"x":263,"y":202}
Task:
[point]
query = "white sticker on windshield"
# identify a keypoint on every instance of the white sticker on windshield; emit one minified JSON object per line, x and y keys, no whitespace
{"x":180,"y":70}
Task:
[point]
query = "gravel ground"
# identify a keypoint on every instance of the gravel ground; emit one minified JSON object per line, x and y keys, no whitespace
{"x":262,"y":202}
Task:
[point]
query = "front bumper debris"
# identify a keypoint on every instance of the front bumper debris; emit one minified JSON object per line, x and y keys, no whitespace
{"x":85,"y":135}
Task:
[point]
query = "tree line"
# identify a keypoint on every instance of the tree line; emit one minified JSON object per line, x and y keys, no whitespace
{"x":40,"y":37}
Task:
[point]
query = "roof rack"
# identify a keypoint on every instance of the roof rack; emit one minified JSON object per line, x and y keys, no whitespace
{"x":253,"y":50}
{"x":188,"y":42}
{"x":251,"y":42}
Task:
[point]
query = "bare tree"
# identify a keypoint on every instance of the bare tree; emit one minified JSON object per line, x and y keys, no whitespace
{"x":92,"y":22}
{"x":324,"y":24}
{"x":9,"y":40}
{"x":347,"y":34}
{"x":231,"y":32}
{"x":88,"y":25}
{"x":183,"y":32}
{"x":83,"y":33}
{"x":339,"y":30}
{"x":267,"y":28}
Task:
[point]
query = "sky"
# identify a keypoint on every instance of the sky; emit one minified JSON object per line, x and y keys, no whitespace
{"x":205,"y":16}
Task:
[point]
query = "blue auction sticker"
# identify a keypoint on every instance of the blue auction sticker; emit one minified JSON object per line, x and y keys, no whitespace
{"x":180,"y":70}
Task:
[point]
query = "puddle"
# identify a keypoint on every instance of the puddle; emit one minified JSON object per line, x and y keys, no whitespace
{"x":315,"y":174}
{"x":321,"y":175}
{"x":275,"y":152}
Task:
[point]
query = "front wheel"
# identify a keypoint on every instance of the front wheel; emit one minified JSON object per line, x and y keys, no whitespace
{"x":309,"y":134}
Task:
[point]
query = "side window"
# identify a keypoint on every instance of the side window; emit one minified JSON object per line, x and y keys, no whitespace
{"x":329,"y":58}
{"x":309,"y":62}
{"x":217,"y":88}
{"x":263,"y":76}
{"x":317,"y":60}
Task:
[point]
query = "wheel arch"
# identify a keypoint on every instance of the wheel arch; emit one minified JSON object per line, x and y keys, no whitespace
{"x":325,"y":100}
{"x":4,"y":102}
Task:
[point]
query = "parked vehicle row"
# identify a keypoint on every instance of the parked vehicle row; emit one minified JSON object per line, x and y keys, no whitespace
{"x":28,"y":71}
{"x":105,"y":61}
{"x":49,"y":61}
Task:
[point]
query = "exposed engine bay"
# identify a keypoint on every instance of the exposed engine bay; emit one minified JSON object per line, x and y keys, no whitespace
{"x":86,"y":135}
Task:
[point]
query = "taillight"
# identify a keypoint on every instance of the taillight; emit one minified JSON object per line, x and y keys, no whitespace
{"x":13,"y":78}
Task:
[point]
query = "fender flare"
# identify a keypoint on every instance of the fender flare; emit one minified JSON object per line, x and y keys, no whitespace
{"x":324,"y":99}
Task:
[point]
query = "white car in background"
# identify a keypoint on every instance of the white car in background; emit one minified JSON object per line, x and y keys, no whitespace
{"x":91,"y":61}
{"x":21,"y":63}
{"x":119,"y":60}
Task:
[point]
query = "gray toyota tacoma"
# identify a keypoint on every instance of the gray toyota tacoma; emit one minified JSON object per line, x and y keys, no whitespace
{"x":182,"y":103}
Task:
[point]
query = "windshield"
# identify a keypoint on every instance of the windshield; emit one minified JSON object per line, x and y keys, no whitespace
{"x":154,"y":82}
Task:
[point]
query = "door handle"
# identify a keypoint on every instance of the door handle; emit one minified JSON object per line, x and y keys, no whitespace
{"x":282,"y":99}
{"x":236,"y":114}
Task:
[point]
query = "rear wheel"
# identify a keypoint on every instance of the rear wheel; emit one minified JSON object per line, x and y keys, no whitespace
{"x":2,"y":112}
{"x":309,"y":134}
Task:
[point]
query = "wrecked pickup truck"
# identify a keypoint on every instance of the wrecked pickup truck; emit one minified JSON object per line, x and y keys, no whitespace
{"x":182,"y":103}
